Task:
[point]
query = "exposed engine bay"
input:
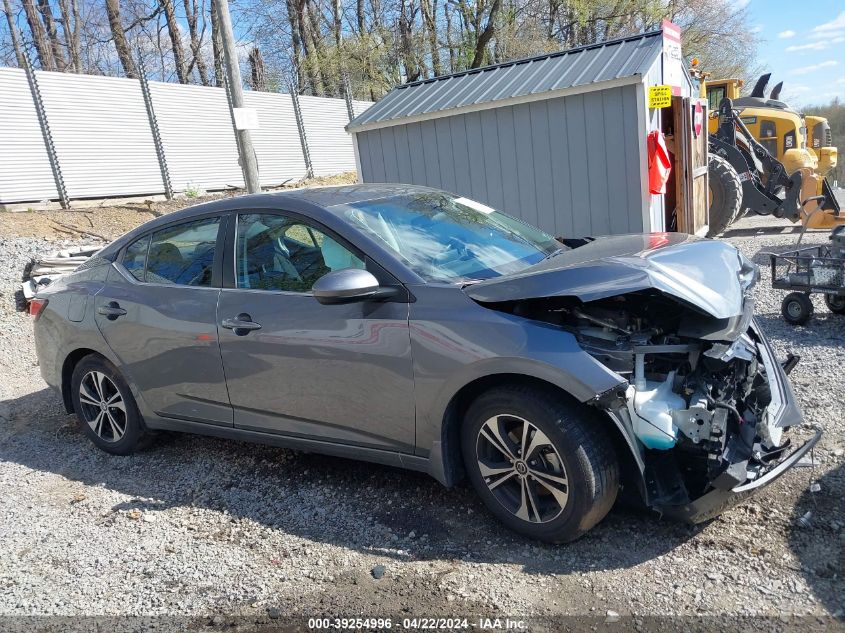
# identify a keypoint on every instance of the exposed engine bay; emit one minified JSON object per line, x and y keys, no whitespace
{"x":698,"y":389}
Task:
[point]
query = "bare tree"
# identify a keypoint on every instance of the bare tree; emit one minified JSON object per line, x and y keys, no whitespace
{"x":70,"y":28}
{"x":52,"y":34}
{"x":175,"y":40}
{"x":13,"y":33}
{"x":429,"y":13}
{"x":258,"y":78}
{"x":39,"y":35}
{"x":121,"y":44}
{"x":191,"y":16}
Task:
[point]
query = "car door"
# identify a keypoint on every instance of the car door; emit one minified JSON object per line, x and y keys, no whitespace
{"x":338,"y":373}
{"x":158,"y":313}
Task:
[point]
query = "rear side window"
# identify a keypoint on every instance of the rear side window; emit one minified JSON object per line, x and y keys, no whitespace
{"x":181,"y":254}
{"x":136,"y":256}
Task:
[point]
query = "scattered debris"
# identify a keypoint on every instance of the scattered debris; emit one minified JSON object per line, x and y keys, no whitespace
{"x":806,"y":521}
{"x":612,"y":616}
{"x":44,"y":271}
{"x":378,"y":572}
{"x":78,"y":498}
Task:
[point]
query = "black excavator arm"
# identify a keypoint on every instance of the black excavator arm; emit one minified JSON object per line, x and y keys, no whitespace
{"x":753,"y":163}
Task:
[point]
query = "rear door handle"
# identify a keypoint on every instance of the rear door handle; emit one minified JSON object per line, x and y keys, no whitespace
{"x":112,"y":310}
{"x":242,"y":322}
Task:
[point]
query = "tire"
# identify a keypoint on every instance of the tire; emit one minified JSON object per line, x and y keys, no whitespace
{"x":572,"y":480}
{"x":835,"y":303}
{"x":725,"y":194}
{"x":797,"y":308}
{"x":115,"y":427}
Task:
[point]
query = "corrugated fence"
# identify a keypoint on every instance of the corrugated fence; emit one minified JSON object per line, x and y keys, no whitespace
{"x":104,"y":144}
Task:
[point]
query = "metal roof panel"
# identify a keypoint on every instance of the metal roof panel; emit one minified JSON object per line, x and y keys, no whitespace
{"x":614,"y":59}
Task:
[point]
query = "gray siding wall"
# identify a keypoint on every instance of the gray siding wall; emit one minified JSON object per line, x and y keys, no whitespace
{"x":570,"y":165}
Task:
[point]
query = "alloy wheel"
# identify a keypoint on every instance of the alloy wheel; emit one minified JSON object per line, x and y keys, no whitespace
{"x":522,"y":468}
{"x":103,"y":407}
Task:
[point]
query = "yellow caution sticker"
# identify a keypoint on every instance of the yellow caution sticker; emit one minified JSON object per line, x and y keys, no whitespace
{"x":659,"y":96}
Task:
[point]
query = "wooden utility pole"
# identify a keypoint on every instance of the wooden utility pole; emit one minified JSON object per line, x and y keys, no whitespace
{"x":249,"y":164}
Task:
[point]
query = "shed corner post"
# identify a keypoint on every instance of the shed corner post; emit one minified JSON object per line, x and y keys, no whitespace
{"x":49,"y":144}
{"x":645,"y":123}
{"x":358,"y":170}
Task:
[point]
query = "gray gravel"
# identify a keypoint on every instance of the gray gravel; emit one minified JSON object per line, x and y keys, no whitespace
{"x":202,"y":526}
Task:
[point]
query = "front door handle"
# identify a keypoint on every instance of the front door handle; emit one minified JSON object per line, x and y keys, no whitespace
{"x":111,"y":311}
{"x":241,"y":324}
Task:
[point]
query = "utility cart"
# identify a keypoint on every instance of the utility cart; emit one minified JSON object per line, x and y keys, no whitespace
{"x":819,"y":269}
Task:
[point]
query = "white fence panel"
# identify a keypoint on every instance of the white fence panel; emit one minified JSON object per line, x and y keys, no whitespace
{"x":25,"y":173}
{"x":197,"y":134}
{"x":358,"y":107}
{"x":277,"y":145}
{"x":329,"y":143}
{"x":105,"y":145}
{"x":102,"y":135}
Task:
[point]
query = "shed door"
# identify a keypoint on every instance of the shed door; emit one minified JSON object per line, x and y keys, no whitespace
{"x":693,"y":199}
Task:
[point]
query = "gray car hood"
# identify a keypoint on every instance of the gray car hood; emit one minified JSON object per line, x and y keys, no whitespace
{"x":709,"y":274}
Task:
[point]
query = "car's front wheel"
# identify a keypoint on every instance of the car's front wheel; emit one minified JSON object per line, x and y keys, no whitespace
{"x":105,"y":407}
{"x":540,"y":462}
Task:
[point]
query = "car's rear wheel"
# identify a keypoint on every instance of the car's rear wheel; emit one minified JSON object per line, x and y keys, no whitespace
{"x":540,"y":462}
{"x":105,"y":407}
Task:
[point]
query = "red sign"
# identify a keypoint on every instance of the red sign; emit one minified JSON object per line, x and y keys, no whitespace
{"x":697,"y":118}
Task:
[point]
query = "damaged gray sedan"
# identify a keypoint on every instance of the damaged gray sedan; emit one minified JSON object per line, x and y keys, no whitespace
{"x":411,"y":327}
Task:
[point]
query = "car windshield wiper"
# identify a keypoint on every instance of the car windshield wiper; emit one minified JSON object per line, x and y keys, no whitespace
{"x":555,"y":253}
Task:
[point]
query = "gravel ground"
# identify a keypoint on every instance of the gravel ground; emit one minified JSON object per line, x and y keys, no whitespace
{"x":203,"y":526}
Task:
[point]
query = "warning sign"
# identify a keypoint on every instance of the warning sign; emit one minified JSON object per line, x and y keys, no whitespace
{"x":659,"y":96}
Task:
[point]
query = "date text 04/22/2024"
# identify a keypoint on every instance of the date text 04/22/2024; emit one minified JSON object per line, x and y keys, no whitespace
{"x":430,"y":624}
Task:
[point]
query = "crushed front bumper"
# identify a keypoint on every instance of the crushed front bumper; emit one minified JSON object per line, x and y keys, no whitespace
{"x":783,"y":412}
{"x":715,"y":502}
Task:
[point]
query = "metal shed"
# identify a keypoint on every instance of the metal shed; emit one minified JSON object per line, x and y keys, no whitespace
{"x":558,"y":140}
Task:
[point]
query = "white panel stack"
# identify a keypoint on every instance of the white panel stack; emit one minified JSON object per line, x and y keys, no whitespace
{"x":199,"y":141}
{"x":276,"y":141}
{"x":25,"y":173}
{"x":328,"y":142}
{"x":105,"y":145}
{"x":102,"y":135}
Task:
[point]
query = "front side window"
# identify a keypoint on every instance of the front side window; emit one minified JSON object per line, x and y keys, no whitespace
{"x":181,"y":254}
{"x":447,"y":238}
{"x":135,"y":257}
{"x":274,"y":252}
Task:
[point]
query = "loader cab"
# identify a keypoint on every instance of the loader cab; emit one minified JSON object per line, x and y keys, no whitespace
{"x":715,"y":91}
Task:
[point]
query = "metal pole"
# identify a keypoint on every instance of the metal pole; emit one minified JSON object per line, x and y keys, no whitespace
{"x":347,"y":95}
{"x":248,"y":161}
{"x":300,"y":126}
{"x":156,"y":131}
{"x":46,"y":133}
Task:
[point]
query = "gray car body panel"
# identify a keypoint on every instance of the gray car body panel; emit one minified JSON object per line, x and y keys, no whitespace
{"x":441,"y":337}
{"x":457,"y":341}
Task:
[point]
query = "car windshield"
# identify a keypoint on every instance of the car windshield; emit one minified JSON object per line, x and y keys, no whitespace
{"x":447,"y":238}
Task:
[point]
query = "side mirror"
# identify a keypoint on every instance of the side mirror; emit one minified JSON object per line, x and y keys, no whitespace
{"x":345,"y":286}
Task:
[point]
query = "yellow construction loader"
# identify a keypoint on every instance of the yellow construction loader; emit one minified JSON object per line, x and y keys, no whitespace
{"x":766,"y":157}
